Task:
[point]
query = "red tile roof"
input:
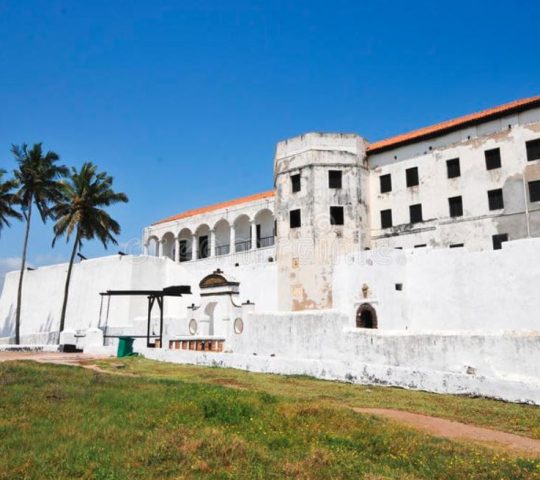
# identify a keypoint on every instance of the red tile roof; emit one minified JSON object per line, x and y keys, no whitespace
{"x":455,"y":124}
{"x":217,"y":206}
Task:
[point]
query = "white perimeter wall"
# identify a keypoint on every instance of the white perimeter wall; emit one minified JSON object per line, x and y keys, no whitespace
{"x":43,"y":291}
{"x":445,"y":289}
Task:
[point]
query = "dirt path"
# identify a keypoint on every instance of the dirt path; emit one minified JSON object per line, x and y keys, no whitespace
{"x":453,"y":430}
{"x":75,"y":359}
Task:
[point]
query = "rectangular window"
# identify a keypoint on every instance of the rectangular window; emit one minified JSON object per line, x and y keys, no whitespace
{"x":386,"y":218}
{"x":534,"y":191}
{"x":456,"y":206}
{"x":295,"y":183}
{"x":336,"y":216}
{"x":295,"y":219}
{"x":386,"y":183}
{"x":495,"y":199}
{"x":422,"y":245}
{"x":533,"y":150}
{"x":334,"y":178}
{"x":412,"y":176}
{"x":452,"y":168}
{"x":493,"y":158}
{"x":415,"y":212}
{"x":457,"y":245}
{"x":498,"y":240}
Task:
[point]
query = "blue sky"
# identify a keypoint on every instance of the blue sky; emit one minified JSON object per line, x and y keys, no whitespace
{"x":183,"y":101}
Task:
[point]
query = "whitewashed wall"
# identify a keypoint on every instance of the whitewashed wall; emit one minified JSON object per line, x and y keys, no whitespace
{"x":445,"y":289}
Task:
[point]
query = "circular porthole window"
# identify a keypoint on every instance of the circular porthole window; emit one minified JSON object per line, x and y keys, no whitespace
{"x":238,"y":326}
{"x":193,"y":326}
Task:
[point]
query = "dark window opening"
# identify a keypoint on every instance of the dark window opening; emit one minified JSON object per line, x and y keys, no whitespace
{"x":415,"y":212}
{"x":533,"y":150}
{"x":386,"y":218}
{"x":493,"y":158}
{"x":334,"y":178}
{"x":495,"y":199}
{"x":203,"y":246}
{"x":184,"y":253}
{"x":336,"y":216}
{"x":386,"y":183}
{"x":452,"y":167}
{"x":457,"y":245}
{"x":366,"y":316}
{"x":534,"y":191}
{"x":421,"y":245}
{"x":412,"y":176}
{"x":399,"y":287}
{"x":296,"y":183}
{"x":456,"y":206}
{"x":295,"y":219}
{"x":498,"y":240}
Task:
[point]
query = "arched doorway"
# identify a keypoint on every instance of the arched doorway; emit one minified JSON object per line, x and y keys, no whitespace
{"x":366,"y":316}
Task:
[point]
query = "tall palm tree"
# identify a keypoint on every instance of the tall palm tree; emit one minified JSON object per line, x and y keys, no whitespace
{"x":7,"y":201}
{"x":37,"y":179}
{"x":79,"y":212}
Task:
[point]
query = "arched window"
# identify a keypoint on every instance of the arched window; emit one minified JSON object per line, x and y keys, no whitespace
{"x":366,"y":316}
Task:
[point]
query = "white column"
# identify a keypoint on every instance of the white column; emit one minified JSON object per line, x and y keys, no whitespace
{"x":232,"y":240}
{"x":253,"y":235}
{"x":176,"y":250}
{"x":194,"y":248}
{"x":158,"y":248}
{"x":212,"y":243}
{"x":145,"y":249}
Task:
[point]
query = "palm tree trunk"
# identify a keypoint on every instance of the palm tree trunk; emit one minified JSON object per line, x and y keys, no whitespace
{"x":66,"y":288}
{"x":21,"y":275}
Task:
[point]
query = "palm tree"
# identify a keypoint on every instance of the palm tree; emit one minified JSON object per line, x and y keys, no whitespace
{"x":37,"y":178}
{"x":79,"y":212}
{"x":7,"y":201}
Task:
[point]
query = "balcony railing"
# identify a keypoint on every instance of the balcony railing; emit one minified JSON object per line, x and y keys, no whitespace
{"x":265,"y":242}
{"x":243,"y":246}
{"x":222,"y":249}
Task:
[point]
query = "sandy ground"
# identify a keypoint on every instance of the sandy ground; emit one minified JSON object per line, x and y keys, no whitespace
{"x":433,"y":425}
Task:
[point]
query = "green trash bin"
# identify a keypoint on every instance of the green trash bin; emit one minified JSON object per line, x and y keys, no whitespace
{"x":125,"y":346}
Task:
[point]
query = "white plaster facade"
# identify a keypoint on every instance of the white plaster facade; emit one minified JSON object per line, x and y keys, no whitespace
{"x":329,"y":292}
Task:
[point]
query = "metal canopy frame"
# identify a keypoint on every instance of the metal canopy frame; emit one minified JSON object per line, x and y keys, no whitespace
{"x":153,"y":296}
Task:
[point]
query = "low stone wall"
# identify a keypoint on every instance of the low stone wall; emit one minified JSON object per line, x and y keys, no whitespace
{"x":504,"y":365}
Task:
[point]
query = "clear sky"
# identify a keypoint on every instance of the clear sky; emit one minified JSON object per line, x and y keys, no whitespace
{"x":184,"y":101}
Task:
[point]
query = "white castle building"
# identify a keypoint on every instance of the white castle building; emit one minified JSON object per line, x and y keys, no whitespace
{"x":412,"y":261}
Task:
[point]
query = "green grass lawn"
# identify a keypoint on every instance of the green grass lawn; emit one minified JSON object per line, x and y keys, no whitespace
{"x":171,"y":421}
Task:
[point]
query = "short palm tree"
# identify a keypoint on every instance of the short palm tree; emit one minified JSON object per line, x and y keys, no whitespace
{"x":7,"y":201}
{"x":37,"y":178}
{"x":79,"y":212}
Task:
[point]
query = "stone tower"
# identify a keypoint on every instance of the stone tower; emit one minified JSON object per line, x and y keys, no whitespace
{"x":321,"y":182}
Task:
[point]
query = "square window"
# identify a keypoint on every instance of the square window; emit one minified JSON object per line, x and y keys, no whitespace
{"x":493,"y":158}
{"x":295,"y":183}
{"x":533,"y":150}
{"x":336,"y":216}
{"x":452,"y":168}
{"x":415,"y":212}
{"x":334,"y":178}
{"x":412,"y":176}
{"x":498,"y":240}
{"x":495,"y":199}
{"x":295,"y":219}
{"x":386,"y":183}
{"x":386,"y":218}
{"x":456,"y":206}
{"x":534,"y":191}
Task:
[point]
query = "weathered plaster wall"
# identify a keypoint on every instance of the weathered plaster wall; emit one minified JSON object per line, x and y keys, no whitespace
{"x":477,"y":225}
{"x":320,"y":344}
{"x":306,"y":254}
